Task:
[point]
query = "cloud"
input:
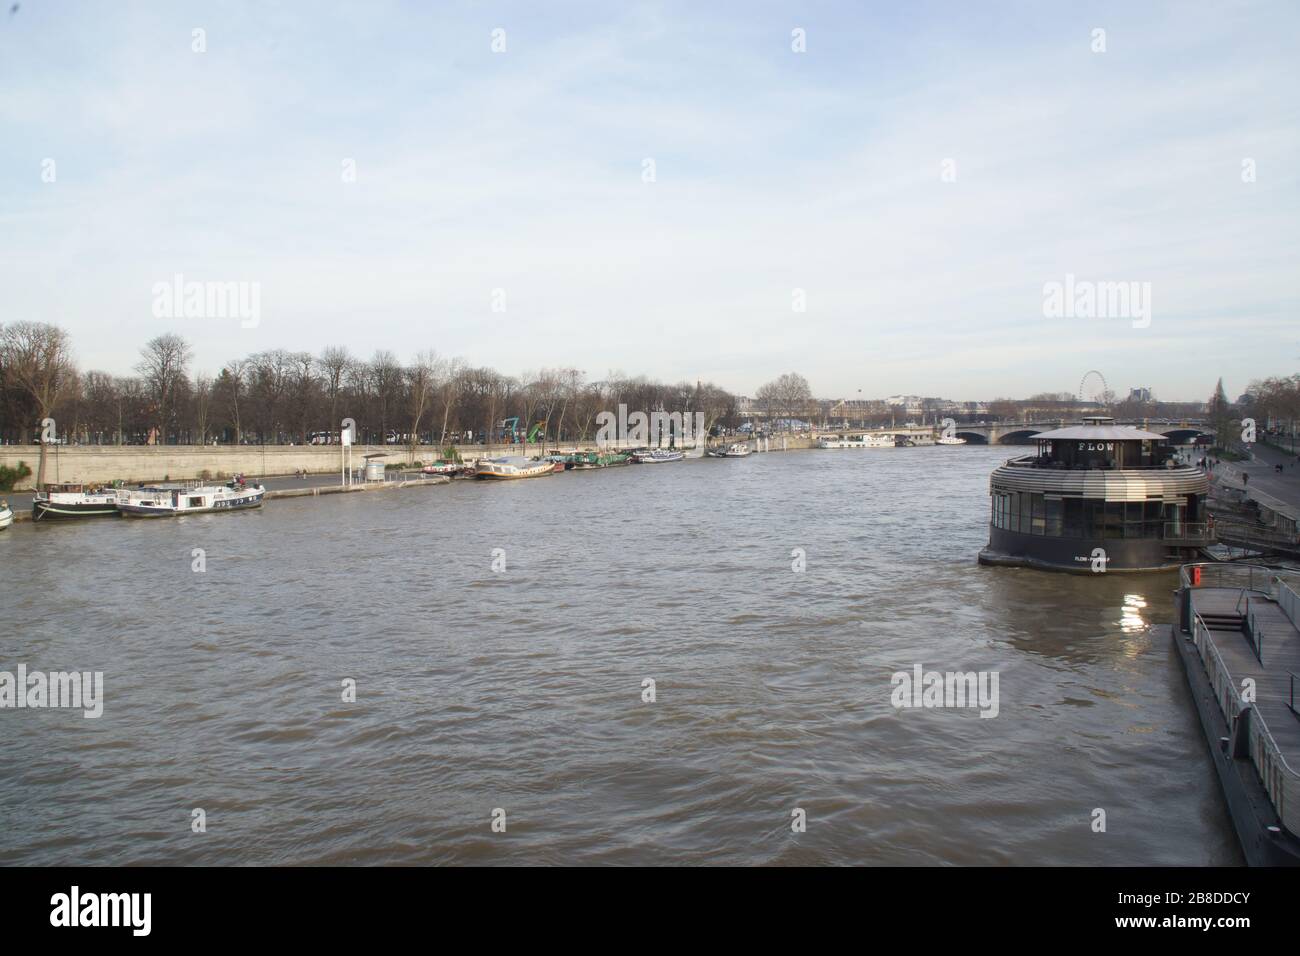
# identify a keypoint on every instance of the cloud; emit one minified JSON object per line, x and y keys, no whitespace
{"x":523,"y":171}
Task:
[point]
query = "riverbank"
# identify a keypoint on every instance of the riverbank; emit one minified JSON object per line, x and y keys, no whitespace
{"x":21,"y":504}
{"x":133,"y":464}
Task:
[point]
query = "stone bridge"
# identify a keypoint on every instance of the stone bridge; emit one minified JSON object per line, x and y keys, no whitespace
{"x":1021,"y":433}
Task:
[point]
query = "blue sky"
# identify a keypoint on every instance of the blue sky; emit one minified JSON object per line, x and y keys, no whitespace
{"x":775,"y":171}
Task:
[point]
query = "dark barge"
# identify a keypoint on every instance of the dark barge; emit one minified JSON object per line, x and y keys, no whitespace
{"x":1240,"y":647}
{"x":1097,"y":497}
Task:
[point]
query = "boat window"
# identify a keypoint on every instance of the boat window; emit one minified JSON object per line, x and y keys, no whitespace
{"x":1072,"y":526}
{"x":1052,"y":517}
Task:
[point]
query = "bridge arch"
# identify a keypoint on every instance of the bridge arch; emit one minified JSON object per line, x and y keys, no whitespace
{"x":1182,"y":436}
{"x":973,"y":438}
{"x":1021,"y":437}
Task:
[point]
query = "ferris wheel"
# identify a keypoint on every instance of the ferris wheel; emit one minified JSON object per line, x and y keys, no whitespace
{"x":1099,"y":390}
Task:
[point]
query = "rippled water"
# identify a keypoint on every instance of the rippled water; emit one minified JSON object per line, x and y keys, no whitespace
{"x":522,"y":690}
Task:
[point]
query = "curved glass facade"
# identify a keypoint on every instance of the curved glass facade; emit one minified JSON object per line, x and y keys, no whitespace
{"x":1060,"y":517}
{"x":1098,"y":490}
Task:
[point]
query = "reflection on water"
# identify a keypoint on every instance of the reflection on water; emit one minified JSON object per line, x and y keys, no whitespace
{"x":523,"y":689}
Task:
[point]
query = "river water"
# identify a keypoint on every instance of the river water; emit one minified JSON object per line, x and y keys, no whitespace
{"x":521,"y":689}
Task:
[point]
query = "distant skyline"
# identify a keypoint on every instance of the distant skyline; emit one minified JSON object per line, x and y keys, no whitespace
{"x":916,"y":177}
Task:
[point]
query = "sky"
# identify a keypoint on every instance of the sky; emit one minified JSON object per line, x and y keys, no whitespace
{"x":881,"y":212}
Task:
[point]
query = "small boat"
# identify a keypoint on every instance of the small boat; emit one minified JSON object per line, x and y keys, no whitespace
{"x":170,"y":500}
{"x":585,"y":460}
{"x":856,"y":441}
{"x":74,"y":501}
{"x":6,"y":516}
{"x":738,"y":449}
{"x":656,"y":457}
{"x":444,"y":466}
{"x":950,"y":441}
{"x":516,"y":467}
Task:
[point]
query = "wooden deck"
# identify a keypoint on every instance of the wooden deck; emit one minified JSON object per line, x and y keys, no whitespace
{"x":1281,"y":658}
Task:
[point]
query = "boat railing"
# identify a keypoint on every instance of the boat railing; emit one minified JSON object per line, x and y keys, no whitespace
{"x":1191,"y":532}
{"x":1051,"y":464}
{"x":1280,"y":781}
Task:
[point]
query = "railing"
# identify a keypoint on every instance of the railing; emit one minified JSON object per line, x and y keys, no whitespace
{"x":1289,"y":601}
{"x":1251,"y":577}
{"x":1280,"y":782}
{"x":1254,"y":633}
{"x":1050,"y":464}
{"x":1197,"y":532}
{"x":1254,"y":535}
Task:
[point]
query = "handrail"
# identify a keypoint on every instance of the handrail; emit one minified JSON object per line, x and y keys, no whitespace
{"x":1280,"y":781}
{"x":1047,"y":464}
{"x":1187,"y":531}
{"x":1289,"y":601}
{"x":1220,"y":571}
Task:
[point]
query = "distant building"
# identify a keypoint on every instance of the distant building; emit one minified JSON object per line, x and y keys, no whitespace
{"x":1139,"y":394}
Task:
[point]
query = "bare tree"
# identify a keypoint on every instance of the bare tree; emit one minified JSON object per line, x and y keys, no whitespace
{"x":37,"y":358}
{"x":335,"y":362}
{"x":386,"y":380}
{"x":163,"y":363}
{"x":233,"y":381}
{"x":786,"y":395}
{"x":202,"y":406}
{"x":421,"y":381}
{"x":447,"y":387}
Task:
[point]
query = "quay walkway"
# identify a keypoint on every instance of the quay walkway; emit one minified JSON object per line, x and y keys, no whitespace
{"x":1240,"y":644}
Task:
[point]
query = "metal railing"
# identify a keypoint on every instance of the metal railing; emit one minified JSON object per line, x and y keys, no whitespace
{"x":1280,"y":781}
{"x":1051,"y":464}
{"x":1194,"y":531}
{"x":1251,"y":577}
{"x":1254,"y":633}
{"x":1289,"y":601}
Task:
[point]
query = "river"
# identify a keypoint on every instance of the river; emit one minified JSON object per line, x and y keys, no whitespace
{"x":521,"y":689}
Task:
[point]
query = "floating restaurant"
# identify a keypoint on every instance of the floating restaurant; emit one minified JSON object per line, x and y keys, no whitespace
{"x":1097,"y":493}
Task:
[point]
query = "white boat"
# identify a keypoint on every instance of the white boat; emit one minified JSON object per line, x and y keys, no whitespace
{"x":856,"y":441}
{"x":656,"y":457}
{"x":950,"y":441}
{"x":170,"y":500}
{"x":74,"y":501}
{"x":516,"y":467}
{"x":738,"y":449}
{"x":6,"y":516}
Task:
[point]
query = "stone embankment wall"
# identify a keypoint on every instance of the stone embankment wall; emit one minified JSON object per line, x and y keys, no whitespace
{"x":137,"y":463}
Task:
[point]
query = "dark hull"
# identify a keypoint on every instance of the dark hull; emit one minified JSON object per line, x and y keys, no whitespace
{"x":44,"y":511}
{"x":130,"y":512}
{"x":1263,"y":839}
{"x":1075,"y":554}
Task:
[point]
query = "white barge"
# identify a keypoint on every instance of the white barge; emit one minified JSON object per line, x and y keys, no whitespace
{"x":171,"y":500}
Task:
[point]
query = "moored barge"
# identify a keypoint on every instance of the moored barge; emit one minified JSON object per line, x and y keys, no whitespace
{"x":164,"y":501}
{"x":1097,"y":497}
{"x":74,"y":501}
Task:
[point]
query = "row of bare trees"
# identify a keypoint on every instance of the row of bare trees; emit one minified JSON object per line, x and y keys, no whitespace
{"x":1275,"y":402}
{"x":286,"y":397}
